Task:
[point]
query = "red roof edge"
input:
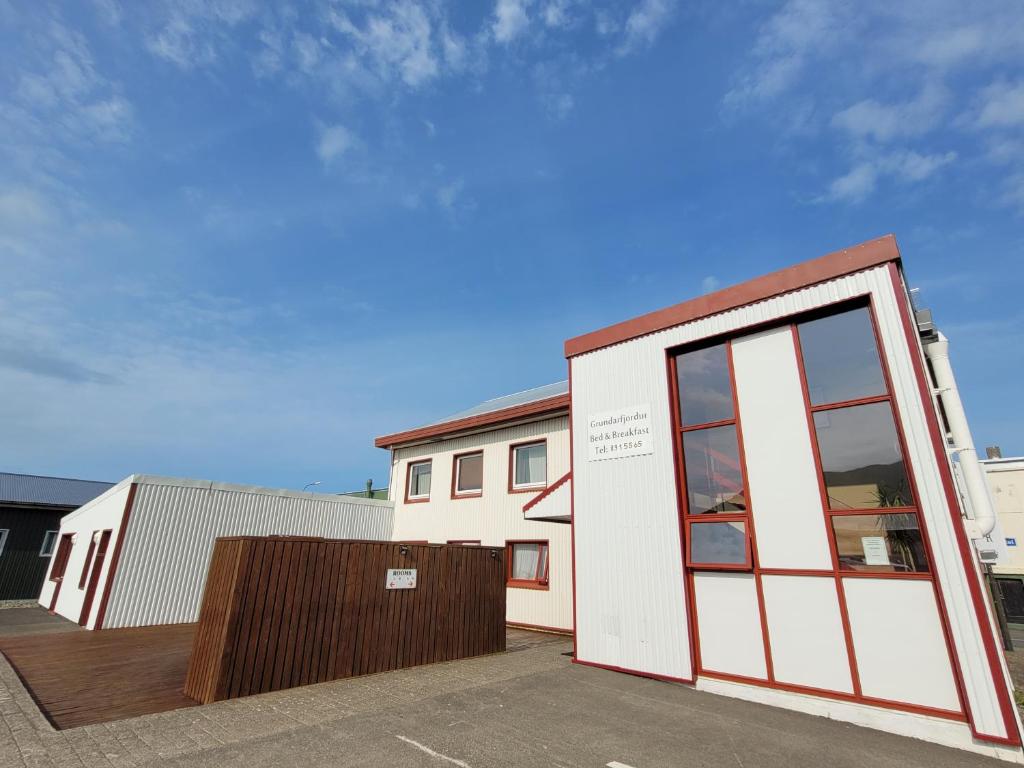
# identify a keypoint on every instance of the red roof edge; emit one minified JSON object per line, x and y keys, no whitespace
{"x":538,"y":407}
{"x":547,"y":491}
{"x":853,"y":259}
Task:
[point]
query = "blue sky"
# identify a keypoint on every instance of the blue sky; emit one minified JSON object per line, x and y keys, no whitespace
{"x":238,"y":243}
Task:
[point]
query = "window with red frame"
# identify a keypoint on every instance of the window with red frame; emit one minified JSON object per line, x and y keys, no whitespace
{"x":867,"y":491}
{"x":527,"y":564}
{"x":60,"y":559}
{"x":716,"y":512}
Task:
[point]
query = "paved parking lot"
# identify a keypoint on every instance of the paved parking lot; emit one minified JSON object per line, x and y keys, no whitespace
{"x":527,"y":707}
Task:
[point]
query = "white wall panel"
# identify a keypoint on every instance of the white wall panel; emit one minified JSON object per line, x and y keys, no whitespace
{"x":497,"y":515}
{"x":173,"y":525}
{"x":785,"y":497}
{"x":805,"y":630}
{"x":102,"y":513}
{"x":729,"y":622}
{"x":897,"y":637}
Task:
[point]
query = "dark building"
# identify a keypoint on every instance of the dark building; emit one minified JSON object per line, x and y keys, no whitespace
{"x":30,"y":511}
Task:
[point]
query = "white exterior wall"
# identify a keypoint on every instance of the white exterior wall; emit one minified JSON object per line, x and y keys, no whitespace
{"x":630,"y":592}
{"x":1006,"y":482}
{"x":497,"y":515}
{"x":105,"y":512}
{"x":171,"y":530}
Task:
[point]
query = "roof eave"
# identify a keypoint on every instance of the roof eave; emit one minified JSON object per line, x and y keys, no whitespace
{"x":547,"y":407}
{"x":833,"y":265}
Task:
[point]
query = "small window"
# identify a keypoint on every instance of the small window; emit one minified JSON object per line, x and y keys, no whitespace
{"x":714,"y":480}
{"x":841,"y":358}
{"x":3,"y":538}
{"x":419,"y":481}
{"x":528,"y":564}
{"x":886,"y":543}
{"x":719,"y":543}
{"x":467,"y":542}
{"x":861,"y":457}
{"x":49,"y":543}
{"x":705,"y":388}
{"x":529,"y":465}
{"x":469,"y":474}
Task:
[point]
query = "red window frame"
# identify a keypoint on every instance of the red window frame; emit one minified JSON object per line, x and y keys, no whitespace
{"x":770,"y":681}
{"x":61,"y":556}
{"x":886,"y":397}
{"x":512,"y":467}
{"x":456,"y":493}
{"x":88,"y":558}
{"x":408,"y":481}
{"x":689,"y":520}
{"x":540,"y":580}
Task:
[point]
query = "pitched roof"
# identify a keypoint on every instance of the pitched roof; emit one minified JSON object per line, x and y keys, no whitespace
{"x":54,"y":491}
{"x":530,"y":402}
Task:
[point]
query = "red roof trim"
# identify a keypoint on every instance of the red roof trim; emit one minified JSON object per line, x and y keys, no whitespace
{"x":853,"y":259}
{"x":538,"y":407}
{"x":547,"y":491}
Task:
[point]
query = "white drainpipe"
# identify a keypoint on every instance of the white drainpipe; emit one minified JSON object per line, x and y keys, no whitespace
{"x":974,"y":476}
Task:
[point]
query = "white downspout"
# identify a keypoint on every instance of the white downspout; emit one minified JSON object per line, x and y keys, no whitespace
{"x":974,"y":476}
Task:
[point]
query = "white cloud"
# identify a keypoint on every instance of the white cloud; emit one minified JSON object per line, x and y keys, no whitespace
{"x":644,"y":24}
{"x":709,"y":284}
{"x":510,"y":19}
{"x":905,"y":166}
{"x":334,"y":141}
{"x":870,"y":119}
{"x":399,"y":42}
{"x":556,"y":14}
{"x":558,"y":105}
{"x":178,"y":44}
{"x":1002,"y":105}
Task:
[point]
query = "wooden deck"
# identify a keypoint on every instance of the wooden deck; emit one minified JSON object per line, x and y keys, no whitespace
{"x":81,"y":678}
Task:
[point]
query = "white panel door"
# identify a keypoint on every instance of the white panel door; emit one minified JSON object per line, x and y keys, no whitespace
{"x":805,"y":630}
{"x":897,"y":636}
{"x":785,"y":497}
{"x":729,"y":624}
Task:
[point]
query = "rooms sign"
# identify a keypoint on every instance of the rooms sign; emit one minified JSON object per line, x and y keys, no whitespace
{"x":621,"y":433}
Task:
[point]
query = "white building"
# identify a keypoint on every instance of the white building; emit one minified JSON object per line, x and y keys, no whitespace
{"x":138,"y":554}
{"x":1006,"y":482}
{"x":763,"y":506}
{"x":467,"y":479}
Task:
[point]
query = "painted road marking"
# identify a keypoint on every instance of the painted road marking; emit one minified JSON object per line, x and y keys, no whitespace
{"x":616,"y":764}
{"x":432,"y":753}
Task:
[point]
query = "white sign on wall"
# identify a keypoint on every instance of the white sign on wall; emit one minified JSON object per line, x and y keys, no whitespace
{"x":400,"y":578}
{"x":875,"y":552}
{"x":620,"y":433}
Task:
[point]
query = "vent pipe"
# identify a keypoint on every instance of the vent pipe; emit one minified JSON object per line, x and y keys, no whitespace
{"x":973,"y":474}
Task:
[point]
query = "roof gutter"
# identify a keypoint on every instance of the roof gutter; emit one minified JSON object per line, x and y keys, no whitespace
{"x":984,"y":516}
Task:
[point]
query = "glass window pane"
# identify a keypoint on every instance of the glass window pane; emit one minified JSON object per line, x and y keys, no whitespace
{"x":531,"y":464}
{"x":705,"y":390}
{"x":861,"y":458}
{"x":471,"y":473}
{"x":888,"y":543}
{"x":419,"y":479}
{"x":841,"y":358}
{"x":527,"y":558}
{"x":718,"y":543}
{"x":714,"y":482}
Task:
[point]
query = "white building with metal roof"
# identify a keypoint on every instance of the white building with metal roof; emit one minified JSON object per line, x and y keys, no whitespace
{"x":478,"y":477}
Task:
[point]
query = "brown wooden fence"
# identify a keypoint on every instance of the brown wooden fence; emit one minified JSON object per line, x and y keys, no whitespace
{"x":279,"y":612}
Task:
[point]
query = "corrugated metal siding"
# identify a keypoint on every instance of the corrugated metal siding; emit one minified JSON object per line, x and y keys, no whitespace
{"x":495,"y":517}
{"x":21,"y":568}
{"x":630,"y":599}
{"x":59,"y":491}
{"x":170,"y":538}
